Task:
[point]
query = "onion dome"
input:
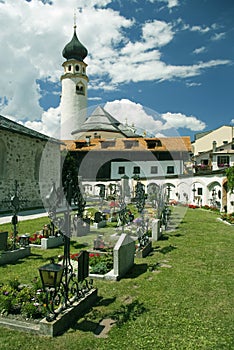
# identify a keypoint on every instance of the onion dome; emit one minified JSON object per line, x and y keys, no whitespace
{"x":74,"y":49}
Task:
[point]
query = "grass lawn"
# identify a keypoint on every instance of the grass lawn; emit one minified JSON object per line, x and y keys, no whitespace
{"x":185,"y":302}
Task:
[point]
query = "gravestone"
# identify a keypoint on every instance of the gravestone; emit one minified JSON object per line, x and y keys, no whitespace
{"x":99,"y":220}
{"x":156,"y":229}
{"x":83,"y":265}
{"x":98,"y":243}
{"x":98,"y":217}
{"x":81,"y":226}
{"x":3,"y":240}
{"x":123,"y":255}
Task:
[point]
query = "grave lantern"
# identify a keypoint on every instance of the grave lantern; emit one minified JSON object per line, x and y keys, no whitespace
{"x":46,"y":231}
{"x":51,"y":275}
{"x":24,"y":240}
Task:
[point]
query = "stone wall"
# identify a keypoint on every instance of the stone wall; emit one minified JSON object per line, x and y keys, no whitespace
{"x":21,"y":157}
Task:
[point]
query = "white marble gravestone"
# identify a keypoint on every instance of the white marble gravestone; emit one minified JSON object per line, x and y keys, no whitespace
{"x":123,"y":255}
{"x":156,"y":229}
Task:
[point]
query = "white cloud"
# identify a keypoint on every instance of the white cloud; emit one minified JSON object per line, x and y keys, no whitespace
{"x":189,"y":84}
{"x":200,"y":29}
{"x":179,"y":120}
{"x":218,"y":36}
{"x":199,"y":50}
{"x":34,"y":33}
{"x":134,"y":114}
{"x":151,"y":121}
{"x":49,"y":124}
{"x":170,"y":3}
{"x":126,"y":111}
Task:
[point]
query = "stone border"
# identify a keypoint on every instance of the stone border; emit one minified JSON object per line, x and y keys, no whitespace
{"x":225,"y":222}
{"x":144,"y":251}
{"x":64,"y":320}
{"x":11,"y":256}
{"x":50,"y":242}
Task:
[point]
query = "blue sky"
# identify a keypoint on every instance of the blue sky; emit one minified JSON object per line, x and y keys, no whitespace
{"x":161,"y":64}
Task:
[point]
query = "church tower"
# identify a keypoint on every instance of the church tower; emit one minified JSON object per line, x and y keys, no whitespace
{"x":74,"y":87}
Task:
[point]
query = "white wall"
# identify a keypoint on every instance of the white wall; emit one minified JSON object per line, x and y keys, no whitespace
{"x":205,"y":143}
{"x":145,"y":168}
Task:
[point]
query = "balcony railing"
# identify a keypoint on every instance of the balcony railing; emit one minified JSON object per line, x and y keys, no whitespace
{"x":202,"y":168}
{"x":223,"y":165}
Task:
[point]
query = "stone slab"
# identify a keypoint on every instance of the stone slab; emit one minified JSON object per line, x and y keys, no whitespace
{"x":51,"y":242}
{"x":58,"y":326}
{"x":8,"y":257}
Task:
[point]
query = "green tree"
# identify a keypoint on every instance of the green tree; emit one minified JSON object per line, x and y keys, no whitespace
{"x":230,"y":179}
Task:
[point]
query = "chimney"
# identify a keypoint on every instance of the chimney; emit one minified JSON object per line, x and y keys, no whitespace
{"x":87,"y":139}
{"x":214,"y":146}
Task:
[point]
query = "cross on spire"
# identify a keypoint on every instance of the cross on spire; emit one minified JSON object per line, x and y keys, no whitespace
{"x":75,"y":19}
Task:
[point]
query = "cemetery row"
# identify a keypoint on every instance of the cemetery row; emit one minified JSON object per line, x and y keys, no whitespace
{"x":67,"y":284}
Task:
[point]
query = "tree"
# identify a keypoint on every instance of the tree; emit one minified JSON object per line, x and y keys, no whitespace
{"x":230,"y":178}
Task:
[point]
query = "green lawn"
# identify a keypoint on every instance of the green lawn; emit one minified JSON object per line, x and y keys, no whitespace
{"x":186,"y":302}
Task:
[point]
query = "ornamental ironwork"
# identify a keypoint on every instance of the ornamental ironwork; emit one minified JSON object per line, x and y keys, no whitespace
{"x":74,"y":283}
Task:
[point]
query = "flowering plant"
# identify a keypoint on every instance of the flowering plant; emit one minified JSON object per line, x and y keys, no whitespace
{"x":36,"y":238}
{"x":193,"y":206}
{"x":99,"y":263}
{"x":28,"y":301}
{"x":228,"y":217}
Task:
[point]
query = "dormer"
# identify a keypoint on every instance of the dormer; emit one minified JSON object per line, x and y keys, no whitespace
{"x":153,"y":143}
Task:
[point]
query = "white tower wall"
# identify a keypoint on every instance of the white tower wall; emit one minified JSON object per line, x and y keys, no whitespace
{"x":74,"y":98}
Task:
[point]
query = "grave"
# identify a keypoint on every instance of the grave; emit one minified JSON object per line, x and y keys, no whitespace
{"x":81,"y":226}
{"x":11,"y":256}
{"x":156,"y":229}
{"x":3,"y":240}
{"x":123,"y":257}
{"x":98,"y":243}
{"x":144,"y":245}
{"x":51,"y":242}
{"x":144,"y":251}
{"x":99,"y":220}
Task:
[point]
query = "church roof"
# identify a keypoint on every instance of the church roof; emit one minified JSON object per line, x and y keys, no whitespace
{"x":75,"y":49}
{"x":101,"y":120}
{"x":10,"y":125}
{"x":154,"y":144}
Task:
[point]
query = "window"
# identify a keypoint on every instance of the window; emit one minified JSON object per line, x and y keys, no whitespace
{"x":136,"y":170}
{"x":223,"y":161}
{"x":80,"y":89}
{"x":109,"y":143}
{"x":204,"y":161}
{"x":130,"y":143}
{"x":154,"y":170}
{"x":199,"y":191}
{"x":170,"y":169}
{"x":77,"y":68}
{"x":69,"y":67}
{"x":121,"y":170}
{"x":153,"y":143}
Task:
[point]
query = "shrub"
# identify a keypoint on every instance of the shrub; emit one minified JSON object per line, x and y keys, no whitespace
{"x":25,"y":300}
{"x":100,"y":264}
